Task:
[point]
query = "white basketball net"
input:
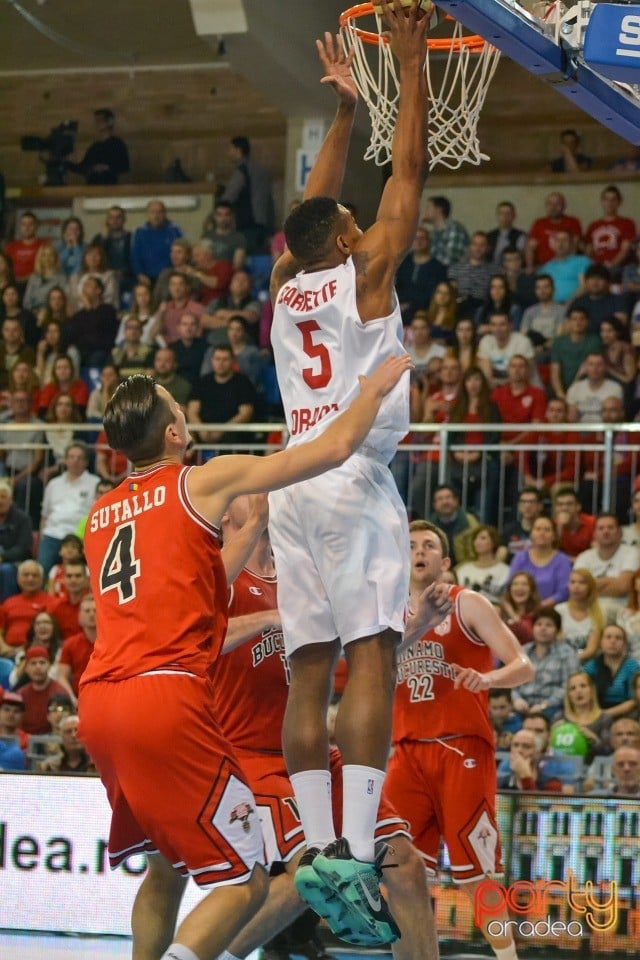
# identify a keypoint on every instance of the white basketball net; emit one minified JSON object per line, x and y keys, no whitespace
{"x":454,"y":107}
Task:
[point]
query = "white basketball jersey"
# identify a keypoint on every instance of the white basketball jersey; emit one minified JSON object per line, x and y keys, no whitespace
{"x":321,"y":347}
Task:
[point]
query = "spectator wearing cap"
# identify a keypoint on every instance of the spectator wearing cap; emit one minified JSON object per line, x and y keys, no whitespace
{"x":16,"y":538}
{"x":17,"y":613}
{"x":37,"y":692}
{"x":13,"y":740}
{"x":11,"y":717}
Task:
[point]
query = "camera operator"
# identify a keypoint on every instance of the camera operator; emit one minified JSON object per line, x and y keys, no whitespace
{"x":107,"y":158}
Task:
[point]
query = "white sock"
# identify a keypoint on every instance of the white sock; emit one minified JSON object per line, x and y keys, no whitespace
{"x":178,"y":952}
{"x":313,"y":795}
{"x":361,"y":789}
{"x":225,"y":955}
{"x":507,"y":953}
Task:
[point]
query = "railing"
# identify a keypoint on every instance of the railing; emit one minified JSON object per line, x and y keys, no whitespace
{"x":488,"y":487}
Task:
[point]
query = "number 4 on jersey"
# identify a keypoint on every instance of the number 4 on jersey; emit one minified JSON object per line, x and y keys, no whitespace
{"x":121,"y":569}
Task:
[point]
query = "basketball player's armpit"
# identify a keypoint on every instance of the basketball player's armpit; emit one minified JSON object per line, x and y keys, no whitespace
{"x":361,"y":262}
{"x":285,"y":269}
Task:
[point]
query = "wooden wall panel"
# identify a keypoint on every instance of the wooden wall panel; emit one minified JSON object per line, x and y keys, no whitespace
{"x":191,"y":114}
{"x":161,"y":115}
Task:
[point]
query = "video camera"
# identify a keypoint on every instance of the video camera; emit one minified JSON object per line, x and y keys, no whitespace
{"x":58,"y":145}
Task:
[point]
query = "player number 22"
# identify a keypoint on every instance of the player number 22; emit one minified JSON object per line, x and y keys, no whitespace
{"x":121,"y":568}
{"x":316,"y":379}
{"x":421,"y":688}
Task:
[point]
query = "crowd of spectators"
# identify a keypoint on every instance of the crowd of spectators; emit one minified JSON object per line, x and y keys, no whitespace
{"x":533,"y":328}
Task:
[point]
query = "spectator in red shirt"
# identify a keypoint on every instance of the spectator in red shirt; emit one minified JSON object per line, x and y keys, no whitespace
{"x":518,"y":402}
{"x":23,"y":250}
{"x":575,"y":528}
{"x":540,"y":247}
{"x":67,"y":609}
{"x":609,"y":239}
{"x":180,"y":302}
{"x":213,"y":276}
{"x":16,"y":613}
{"x":37,"y":692}
{"x":77,"y":649}
{"x":64,"y":380}
{"x":555,"y":459}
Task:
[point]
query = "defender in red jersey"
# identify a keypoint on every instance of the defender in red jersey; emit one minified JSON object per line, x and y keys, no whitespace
{"x":250,"y":691}
{"x":442,"y":774}
{"x":160,"y":584}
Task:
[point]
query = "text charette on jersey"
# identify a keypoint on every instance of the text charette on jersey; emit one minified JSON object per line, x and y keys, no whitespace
{"x":321,"y":347}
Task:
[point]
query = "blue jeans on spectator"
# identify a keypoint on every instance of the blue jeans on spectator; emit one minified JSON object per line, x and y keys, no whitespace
{"x":48,"y":551}
{"x":8,"y":580}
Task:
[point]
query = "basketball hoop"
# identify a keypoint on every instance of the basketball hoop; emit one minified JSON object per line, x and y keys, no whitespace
{"x":456,"y":92}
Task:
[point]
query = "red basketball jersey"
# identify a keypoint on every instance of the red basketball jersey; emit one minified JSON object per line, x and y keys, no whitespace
{"x":157,"y":577}
{"x":427,"y":707}
{"x":251,"y":681}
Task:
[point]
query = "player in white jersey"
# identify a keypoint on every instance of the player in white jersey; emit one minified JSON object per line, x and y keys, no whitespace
{"x":341,"y":546}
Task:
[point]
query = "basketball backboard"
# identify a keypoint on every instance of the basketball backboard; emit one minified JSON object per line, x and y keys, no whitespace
{"x":590,"y":52}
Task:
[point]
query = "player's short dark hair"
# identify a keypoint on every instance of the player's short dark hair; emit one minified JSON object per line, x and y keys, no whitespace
{"x":547,"y":277}
{"x":566,"y":492}
{"x":310,"y":227}
{"x":242,"y":144}
{"x":548,"y":613}
{"x":442,"y":203}
{"x":532,"y":491}
{"x":539,"y":716}
{"x":417,"y":526}
{"x":135,"y":419}
{"x":223,"y":348}
{"x":105,"y":113}
{"x":598,"y":270}
{"x":497,"y":693}
{"x":612,"y":189}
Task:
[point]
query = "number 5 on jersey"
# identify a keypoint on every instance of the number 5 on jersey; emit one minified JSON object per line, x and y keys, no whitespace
{"x":121,"y":569}
{"x":315,"y":379}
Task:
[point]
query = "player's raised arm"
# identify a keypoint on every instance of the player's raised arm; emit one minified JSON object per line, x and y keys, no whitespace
{"x":399,"y":208}
{"x":239,"y":548}
{"x":214,"y":485}
{"x":327,"y":175}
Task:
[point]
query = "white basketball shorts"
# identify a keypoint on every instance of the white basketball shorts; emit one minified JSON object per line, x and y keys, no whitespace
{"x":341,"y":546}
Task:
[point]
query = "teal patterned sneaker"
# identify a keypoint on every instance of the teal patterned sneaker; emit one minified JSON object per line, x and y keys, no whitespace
{"x":344,"y":921}
{"x":357,"y":884}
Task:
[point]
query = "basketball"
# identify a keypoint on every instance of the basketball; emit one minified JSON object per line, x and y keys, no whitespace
{"x":425,"y":5}
{"x":567,"y":738}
